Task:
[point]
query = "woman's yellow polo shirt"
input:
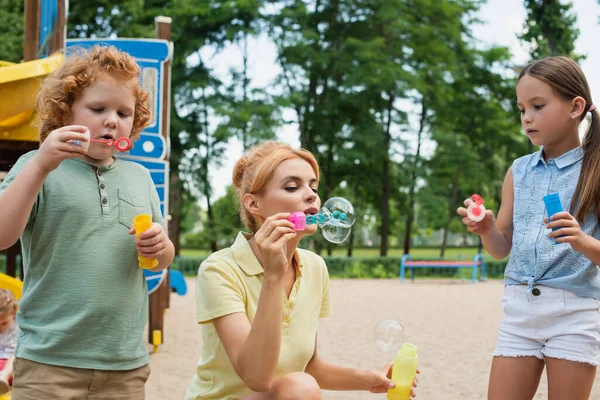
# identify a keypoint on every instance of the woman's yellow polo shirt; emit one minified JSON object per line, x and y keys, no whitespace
{"x":230,"y":281}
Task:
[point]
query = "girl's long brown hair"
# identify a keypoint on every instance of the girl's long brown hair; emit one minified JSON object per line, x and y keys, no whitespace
{"x":568,"y":81}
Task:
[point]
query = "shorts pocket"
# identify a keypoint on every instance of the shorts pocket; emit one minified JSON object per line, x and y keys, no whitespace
{"x":130,"y":205}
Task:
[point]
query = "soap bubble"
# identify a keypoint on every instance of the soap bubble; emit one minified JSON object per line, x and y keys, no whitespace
{"x":339,"y":212}
{"x":335,"y":234}
{"x":388,"y":335}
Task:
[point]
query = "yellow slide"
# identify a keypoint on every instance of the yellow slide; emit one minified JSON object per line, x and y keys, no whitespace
{"x":19,"y":85}
{"x":12,"y":284}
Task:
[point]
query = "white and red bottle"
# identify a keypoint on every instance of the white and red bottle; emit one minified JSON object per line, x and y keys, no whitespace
{"x":476,"y":211}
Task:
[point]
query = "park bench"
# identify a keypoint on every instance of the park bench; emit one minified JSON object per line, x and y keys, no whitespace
{"x":408,"y":262}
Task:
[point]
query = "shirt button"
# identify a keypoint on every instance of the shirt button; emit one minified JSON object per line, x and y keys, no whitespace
{"x":104,"y":200}
{"x":536,"y":292}
{"x":99,"y":173}
{"x":287,"y":318}
{"x":102,"y":186}
{"x":291,"y":302}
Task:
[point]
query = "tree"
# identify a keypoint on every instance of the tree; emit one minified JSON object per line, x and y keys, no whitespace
{"x":11,"y":26}
{"x":550,"y":29}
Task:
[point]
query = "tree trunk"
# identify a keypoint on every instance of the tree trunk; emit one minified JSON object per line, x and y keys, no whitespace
{"x":175,"y":196}
{"x":352,"y":232}
{"x":411,"y":193}
{"x":451,"y":208}
{"x":385,"y":189}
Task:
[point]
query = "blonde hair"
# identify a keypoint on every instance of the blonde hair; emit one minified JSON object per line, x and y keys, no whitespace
{"x":64,"y":86}
{"x":254,"y":170}
{"x":8,"y":303}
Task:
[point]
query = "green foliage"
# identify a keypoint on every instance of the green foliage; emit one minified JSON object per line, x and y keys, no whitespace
{"x":369,"y":83}
{"x":11,"y":26}
{"x":550,"y":28}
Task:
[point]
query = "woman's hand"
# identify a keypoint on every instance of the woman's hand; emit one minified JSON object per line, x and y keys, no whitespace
{"x":379,"y":380}
{"x":271,"y":240}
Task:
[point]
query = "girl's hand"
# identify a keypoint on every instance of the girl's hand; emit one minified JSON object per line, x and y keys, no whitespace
{"x":480,"y":228}
{"x":379,"y":380}
{"x":56,"y":148}
{"x":271,"y":240}
{"x":152,"y":242}
{"x":569,"y":232}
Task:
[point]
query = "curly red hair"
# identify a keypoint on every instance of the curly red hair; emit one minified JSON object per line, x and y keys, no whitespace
{"x":64,"y":86}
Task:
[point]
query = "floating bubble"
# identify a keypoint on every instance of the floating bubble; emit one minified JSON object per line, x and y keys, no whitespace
{"x":388,"y":335}
{"x":335,"y":234}
{"x":338,"y":212}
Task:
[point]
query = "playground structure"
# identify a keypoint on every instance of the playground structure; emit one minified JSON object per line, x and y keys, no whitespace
{"x":45,"y":35}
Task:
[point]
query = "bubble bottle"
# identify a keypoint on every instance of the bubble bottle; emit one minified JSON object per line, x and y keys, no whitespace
{"x":404,"y":372}
{"x":141,"y":223}
{"x":389,"y":336}
{"x":476,"y":211}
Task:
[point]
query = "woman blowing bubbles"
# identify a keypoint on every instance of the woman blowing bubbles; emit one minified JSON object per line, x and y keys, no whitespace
{"x":259,"y":300}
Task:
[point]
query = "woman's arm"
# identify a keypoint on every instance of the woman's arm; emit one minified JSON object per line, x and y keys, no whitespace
{"x":333,"y":377}
{"x":254,"y":349}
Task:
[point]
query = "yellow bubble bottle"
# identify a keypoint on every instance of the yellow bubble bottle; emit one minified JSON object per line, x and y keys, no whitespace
{"x":141,"y":223}
{"x":403,"y":374}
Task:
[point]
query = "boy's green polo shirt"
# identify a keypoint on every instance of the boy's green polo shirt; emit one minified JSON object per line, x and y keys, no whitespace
{"x":85,"y":299}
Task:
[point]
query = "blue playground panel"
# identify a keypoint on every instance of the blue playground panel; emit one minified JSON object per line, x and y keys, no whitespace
{"x":176,"y":280}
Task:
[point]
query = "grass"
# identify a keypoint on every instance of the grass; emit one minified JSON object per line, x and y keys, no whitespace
{"x":465,"y":253}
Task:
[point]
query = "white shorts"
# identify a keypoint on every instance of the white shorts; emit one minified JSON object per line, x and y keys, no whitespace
{"x":548,"y":322}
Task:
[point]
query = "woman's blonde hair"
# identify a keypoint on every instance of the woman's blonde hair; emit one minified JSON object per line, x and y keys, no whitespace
{"x":64,"y":86}
{"x":8,"y":303}
{"x":254,"y":170}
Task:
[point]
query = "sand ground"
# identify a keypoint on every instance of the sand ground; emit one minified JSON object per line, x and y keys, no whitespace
{"x":453,"y":323}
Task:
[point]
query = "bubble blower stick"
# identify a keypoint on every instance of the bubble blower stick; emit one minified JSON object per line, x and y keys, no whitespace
{"x":335,"y":219}
{"x":122,"y":144}
{"x":553,"y":206}
{"x":141,"y":223}
{"x":389,"y":336}
{"x":476,"y":211}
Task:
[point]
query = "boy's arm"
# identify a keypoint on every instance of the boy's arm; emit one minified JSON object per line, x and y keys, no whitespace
{"x":17,"y":201}
{"x":165,"y":260}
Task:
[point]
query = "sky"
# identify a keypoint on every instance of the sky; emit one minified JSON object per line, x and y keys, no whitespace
{"x":502,"y":22}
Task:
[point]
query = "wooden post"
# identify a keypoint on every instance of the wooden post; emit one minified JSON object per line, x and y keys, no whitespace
{"x":163,"y":31}
{"x":159,"y":300}
{"x":57,"y":43}
{"x":32,"y":30}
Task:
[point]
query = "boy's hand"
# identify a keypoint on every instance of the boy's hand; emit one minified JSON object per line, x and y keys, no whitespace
{"x":153,"y":242}
{"x":57,"y":148}
{"x":569,"y":230}
{"x":480,"y":228}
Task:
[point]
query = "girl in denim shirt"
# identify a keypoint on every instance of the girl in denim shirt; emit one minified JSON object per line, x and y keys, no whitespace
{"x":552,"y":284}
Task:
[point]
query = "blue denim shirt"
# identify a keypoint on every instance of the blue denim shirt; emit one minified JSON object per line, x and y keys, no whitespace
{"x":534,"y":257}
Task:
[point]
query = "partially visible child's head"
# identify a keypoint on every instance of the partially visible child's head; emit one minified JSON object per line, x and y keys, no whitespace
{"x":8,"y":309}
{"x":80,"y":70}
{"x":564,"y":76}
{"x":254,"y":171}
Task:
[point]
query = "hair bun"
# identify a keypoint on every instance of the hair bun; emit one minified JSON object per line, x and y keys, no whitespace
{"x":238,"y":171}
